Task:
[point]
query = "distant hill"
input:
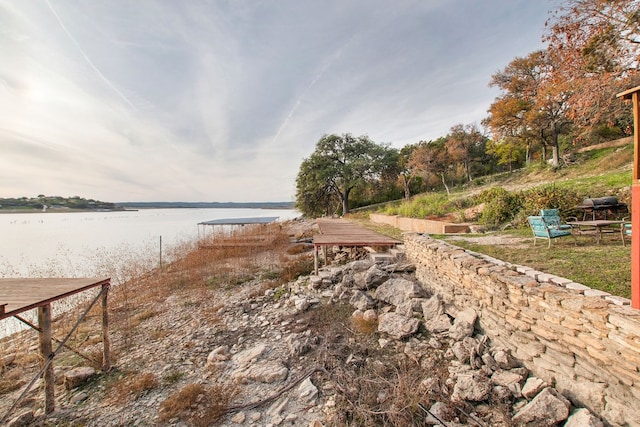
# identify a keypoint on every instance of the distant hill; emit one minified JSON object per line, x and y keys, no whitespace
{"x":236,"y":205}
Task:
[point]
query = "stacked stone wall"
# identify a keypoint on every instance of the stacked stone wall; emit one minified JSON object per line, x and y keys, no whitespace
{"x":584,"y":342}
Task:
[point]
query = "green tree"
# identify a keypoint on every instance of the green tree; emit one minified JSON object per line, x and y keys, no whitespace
{"x":507,"y":151}
{"x":337,"y":166}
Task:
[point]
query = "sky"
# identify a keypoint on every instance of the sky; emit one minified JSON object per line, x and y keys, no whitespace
{"x":221,"y":100}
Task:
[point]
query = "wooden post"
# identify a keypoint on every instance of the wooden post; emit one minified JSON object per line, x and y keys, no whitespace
{"x":106,"y":342}
{"x":46,"y":350}
{"x":632,"y":94}
{"x":315,"y":259}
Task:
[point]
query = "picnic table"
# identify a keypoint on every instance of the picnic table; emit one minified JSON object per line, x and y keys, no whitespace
{"x":595,"y":227}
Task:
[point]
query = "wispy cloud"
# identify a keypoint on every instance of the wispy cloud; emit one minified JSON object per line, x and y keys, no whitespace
{"x":221,"y":100}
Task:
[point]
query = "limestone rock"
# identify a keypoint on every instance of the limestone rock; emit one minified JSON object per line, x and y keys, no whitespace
{"x":463,"y":324}
{"x":397,"y":325}
{"x":438,"y":412}
{"x":264,"y":372}
{"x":583,"y":418}
{"x":441,"y":323}
{"x":397,"y":290}
{"x":359,"y":265}
{"x":474,"y":386}
{"x":547,"y":409}
{"x":250,"y":355}
{"x":505,"y":360}
{"x":78,"y":376}
{"x":307,"y":392}
{"x":432,"y":308}
{"x":507,"y":378}
{"x":362,"y":301}
{"x":532,"y":386}
{"x":374,"y":277}
{"x":410,"y":307}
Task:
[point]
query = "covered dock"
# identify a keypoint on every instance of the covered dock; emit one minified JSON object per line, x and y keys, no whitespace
{"x":21,"y":295}
{"x":340,"y":232}
{"x":223,"y":229}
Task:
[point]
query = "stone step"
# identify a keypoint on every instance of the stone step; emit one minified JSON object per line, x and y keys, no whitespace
{"x":399,"y":254}
{"x":382,"y":258}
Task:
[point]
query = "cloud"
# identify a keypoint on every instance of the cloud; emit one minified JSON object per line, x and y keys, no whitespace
{"x":221,"y":101}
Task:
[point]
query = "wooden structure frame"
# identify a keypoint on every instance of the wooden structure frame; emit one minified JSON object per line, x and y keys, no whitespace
{"x":340,"y":232}
{"x":20,"y":295}
{"x":235,"y":224}
{"x":634,"y":96}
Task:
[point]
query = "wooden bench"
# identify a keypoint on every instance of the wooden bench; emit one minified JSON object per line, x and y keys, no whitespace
{"x":545,"y":229}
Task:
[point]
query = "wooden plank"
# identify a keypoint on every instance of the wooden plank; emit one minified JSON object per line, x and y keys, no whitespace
{"x":19,"y":295}
{"x":341,"y":232}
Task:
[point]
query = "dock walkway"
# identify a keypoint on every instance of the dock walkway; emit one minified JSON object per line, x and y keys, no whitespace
{"x":340,"y":232}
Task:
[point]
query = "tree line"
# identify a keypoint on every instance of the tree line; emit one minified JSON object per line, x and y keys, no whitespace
{"x":551,"y":102}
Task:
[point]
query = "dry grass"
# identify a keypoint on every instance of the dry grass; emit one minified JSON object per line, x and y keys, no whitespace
{"x":11,"y":380}
{"x":132,"y":386}
{"x":197,"y":404}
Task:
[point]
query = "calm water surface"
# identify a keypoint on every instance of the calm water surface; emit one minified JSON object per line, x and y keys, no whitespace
{"x":75,"y":244}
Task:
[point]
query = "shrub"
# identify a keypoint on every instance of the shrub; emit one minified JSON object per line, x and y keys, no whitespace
{"x":549,"y":197}
{"x":501,"y":207}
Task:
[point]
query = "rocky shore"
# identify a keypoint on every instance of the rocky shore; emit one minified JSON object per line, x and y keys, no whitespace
{"x":361,"y":343}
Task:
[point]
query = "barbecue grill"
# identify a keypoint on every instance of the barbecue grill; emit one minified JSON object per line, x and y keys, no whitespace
{"x":605,"y":205}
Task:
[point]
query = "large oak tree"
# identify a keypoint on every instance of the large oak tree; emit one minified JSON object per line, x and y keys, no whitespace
{"x":339,"y":164}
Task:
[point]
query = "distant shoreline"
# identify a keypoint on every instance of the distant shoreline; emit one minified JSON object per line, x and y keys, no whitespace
{"x":134,"y":207}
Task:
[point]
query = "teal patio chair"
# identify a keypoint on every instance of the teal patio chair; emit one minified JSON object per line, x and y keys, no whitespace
{"x":547,"y":230}
{"x":552,"y":217}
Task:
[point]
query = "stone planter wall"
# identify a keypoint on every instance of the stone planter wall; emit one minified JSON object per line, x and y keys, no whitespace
{"x":584,"y":342}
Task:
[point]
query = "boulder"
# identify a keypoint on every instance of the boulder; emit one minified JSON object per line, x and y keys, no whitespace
{"x":507,"y":378}
{"x":440,"y":324}
{"x":246,"y":357}
{"x":362,"y":301}
{"x":583,"y":418}
{"x":78,"y":376}
{"x":397,"y":325}
{"x":463,"y":324}
{"x":474,"y":386}
{"x":547,"y":409}
{"x":532,"y":386}
{"x":374,"y":277}
{"x":395,"y":291}
{"x":308,"y":392}
{"x":432,"y":308}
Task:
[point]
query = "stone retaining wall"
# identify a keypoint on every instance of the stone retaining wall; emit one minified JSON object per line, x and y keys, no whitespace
{"x":417,"y":225}
{"x":584,"y":342}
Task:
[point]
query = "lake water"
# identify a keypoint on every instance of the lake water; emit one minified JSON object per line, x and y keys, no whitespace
{"x":75,"y":244}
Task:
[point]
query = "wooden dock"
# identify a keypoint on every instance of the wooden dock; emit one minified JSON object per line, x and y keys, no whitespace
{"x":340,"y":232}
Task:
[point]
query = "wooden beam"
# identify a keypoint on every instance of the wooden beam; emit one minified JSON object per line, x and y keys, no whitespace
{"x":46,"y":350}
{"x":106,"y":342}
